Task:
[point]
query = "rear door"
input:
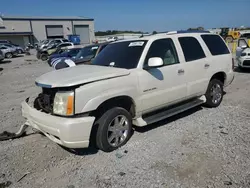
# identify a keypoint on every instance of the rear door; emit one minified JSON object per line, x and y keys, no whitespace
{"x":195,"y":65}
{"x":219,"y":57}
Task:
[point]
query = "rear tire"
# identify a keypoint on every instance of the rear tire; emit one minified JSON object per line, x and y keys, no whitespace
{"x":114,"y":129}
{"x":214,"y":93}
{"x":8,"y":55}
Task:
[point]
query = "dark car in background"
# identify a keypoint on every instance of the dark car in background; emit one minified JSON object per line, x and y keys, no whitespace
{"x":70,"y":53}
{"x":87,"y":54}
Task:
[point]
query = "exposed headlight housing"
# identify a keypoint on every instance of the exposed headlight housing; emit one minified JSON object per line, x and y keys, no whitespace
{"x":64,"y":103}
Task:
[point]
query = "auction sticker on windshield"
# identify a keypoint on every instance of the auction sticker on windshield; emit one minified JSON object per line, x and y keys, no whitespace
{"x":94,"y":48}
{"x":139,"y":43}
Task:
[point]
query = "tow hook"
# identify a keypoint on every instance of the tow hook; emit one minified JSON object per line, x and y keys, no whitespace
{"x":8,"y":135}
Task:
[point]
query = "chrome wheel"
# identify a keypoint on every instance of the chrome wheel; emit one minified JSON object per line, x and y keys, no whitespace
{"x":216,"y":93}
{"x":118,"y":130}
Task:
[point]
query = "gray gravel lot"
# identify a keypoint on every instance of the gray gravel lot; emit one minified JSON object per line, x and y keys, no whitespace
{"x":201,"y":148}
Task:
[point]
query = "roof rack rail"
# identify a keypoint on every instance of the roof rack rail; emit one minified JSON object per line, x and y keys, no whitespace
{"x":186,"y":31}
{"x":192,"y":31}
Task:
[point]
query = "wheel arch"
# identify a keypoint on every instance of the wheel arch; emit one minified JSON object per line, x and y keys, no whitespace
{"x":123,"y":101}
{"x":221,"y":76}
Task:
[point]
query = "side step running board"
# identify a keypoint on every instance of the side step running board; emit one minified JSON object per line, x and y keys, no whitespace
{"x":163,"y":114}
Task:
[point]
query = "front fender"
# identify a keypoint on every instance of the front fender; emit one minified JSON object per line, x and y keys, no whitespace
{"x":93,"y":103}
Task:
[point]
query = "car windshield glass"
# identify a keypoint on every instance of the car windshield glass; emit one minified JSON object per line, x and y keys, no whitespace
{"x":87,"y":52}
{"x":122,"y":54}
{"x":8,"y":45}
{"x":46,"y":42}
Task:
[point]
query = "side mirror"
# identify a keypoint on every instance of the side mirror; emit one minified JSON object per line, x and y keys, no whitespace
{"x":154,"y":62}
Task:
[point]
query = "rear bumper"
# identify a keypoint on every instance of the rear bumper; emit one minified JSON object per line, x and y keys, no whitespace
{"x":229,"y":79}
{"x":68,"y":132}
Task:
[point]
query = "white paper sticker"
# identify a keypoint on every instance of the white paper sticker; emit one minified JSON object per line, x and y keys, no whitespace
{"x":139,"y":43}
{"x":94,"y":48}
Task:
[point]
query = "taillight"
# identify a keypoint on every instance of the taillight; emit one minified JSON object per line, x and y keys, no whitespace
{"x":233,"y":63}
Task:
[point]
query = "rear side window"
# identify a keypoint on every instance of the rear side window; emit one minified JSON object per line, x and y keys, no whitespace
{"x":191,"y":48}
{"x":215,"y":44}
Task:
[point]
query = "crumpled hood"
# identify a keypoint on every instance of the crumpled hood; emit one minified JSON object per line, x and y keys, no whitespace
{"x":78,"y":75}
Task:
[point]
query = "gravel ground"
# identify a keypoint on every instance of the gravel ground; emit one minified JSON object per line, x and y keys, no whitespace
{"x":201,"y":148}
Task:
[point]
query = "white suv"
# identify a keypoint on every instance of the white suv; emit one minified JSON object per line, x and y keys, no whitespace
{"x":243,"y":54}
{"x":131,"y":82}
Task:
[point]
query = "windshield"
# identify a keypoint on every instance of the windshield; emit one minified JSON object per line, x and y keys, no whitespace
{"x":45,"y":42}
{"x":87,"y":52}
{"x":122,"y":54}
{"x":8,"y":45}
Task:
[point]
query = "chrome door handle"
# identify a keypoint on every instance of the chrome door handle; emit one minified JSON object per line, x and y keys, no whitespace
{"x":181,"y":71}
{"x":206,"y":65}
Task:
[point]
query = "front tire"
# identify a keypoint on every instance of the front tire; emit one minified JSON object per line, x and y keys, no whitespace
{"x":114,"y":129}
{"x":214,"y":93}
{"x":44,"y":57}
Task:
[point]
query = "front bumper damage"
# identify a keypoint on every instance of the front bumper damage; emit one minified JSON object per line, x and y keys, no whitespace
{"x":66,"y":131}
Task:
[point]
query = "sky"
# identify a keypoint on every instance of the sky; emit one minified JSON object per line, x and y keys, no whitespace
{"x":142,"y":15}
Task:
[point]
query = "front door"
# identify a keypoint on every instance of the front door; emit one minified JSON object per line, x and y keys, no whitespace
{"x":164,"y":85}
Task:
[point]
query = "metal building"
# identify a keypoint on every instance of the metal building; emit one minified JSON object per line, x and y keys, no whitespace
{"x":23,"y":30}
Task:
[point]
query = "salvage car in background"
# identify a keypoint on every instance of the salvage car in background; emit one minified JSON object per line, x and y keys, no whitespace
{"x":87,"y":54}
{"x":70,"y":53}
{"x":18,"y":48}
{"x":44,"y":54}
{"x":8,"y":51}
{"x":1,"y":56}
{"x":50,"y":42}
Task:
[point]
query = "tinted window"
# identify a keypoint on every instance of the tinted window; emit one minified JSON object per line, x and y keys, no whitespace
{"x":165,"y":49}
{"x":191,"y":48}
{"x":87,"y":52}
{"x":215,"y":44}
{"x":102,"y":47}
{"x":122,"y":54}
{"x":72,"y":52}
{"x":62,"y":45}
{"x":8,"y":45}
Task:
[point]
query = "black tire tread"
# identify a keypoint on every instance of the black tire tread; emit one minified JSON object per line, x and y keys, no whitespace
{"x":209,"y":103}
{"x":103,"y":121}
